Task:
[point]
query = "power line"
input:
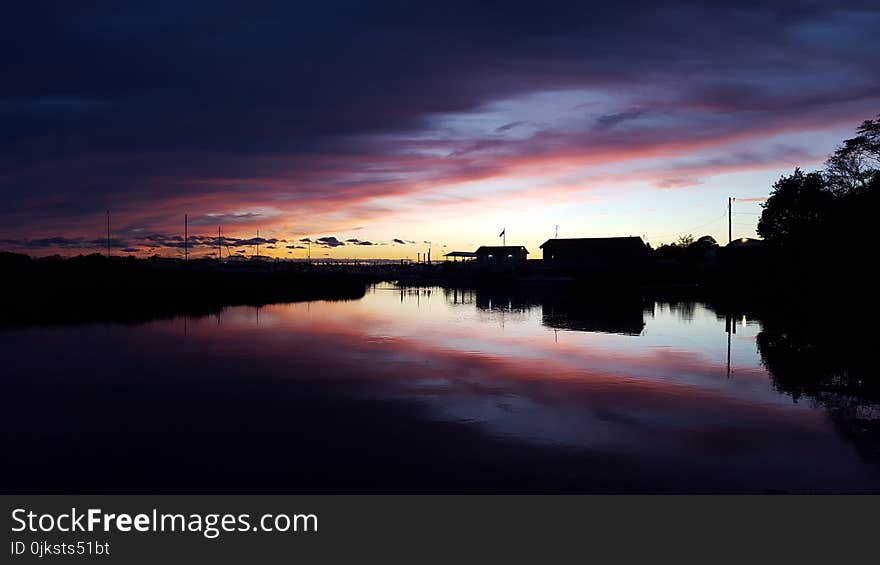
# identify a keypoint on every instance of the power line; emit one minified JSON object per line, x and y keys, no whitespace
{"x":712,"y":221}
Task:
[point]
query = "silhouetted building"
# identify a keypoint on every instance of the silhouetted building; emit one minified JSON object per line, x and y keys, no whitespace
{"x":501,"y":256}
{"x":600,"y":256}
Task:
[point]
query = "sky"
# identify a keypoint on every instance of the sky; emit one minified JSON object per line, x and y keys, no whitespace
{"x":372,"y":128}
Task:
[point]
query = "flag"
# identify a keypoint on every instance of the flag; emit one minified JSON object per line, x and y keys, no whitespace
{"x":502,"y":232}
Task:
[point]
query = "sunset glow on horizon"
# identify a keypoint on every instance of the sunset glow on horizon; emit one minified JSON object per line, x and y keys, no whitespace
{"x":373,"y":130}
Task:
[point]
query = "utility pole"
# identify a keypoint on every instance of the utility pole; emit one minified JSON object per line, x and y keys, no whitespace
{"x":108,"y":234}
{"x":730,"y":200}
{"x":557,"y":232}
{"x":185,"y":236}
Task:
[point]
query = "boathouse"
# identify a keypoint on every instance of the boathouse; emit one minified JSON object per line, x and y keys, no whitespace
{"x":498,"y":256}
{"x":606,"y":256}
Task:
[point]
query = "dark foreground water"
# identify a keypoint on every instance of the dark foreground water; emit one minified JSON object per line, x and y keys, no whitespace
{"x":430,"y":390}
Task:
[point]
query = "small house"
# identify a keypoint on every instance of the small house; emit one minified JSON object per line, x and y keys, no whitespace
{"x":600,"y":256}
{"x":501,"y":256}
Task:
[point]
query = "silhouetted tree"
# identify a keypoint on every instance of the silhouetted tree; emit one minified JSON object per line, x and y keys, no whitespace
{"x":796,"y":208}
{"x":706,"y":242}
{"x":686,"y":260}
{"x":821,"y":224}
{"x":685,"y":240}
{"x":854,"y":165}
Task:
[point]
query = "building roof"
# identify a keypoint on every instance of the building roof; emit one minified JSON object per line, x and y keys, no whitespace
{"x":500,"y":249}
{"x":604,"y":244}
{"x":460,"y":254}
{"x":746,"y":242}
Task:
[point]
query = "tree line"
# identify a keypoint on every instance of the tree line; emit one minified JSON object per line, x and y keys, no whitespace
{"x":821,"y":225}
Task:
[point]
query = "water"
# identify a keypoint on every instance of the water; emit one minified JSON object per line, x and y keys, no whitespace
{"x":426,"y":390}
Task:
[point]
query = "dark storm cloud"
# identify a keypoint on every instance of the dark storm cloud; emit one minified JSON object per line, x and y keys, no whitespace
{"x":509,"y":126}
{"x":608,"y":121}
{"x":47,"y":242}
{"x":102,"y":242}
{"x":197,"y":241}
{"x":249,"y":242}
{"x":138,"y":102}
{"x":60,"y":242}
{"x":329,"y":241}
{"x":356,"y":241}
{"x":398,"y":241}
{"x":232,"y":218}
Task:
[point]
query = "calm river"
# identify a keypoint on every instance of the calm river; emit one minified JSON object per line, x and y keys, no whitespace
{"x":425,"y":390}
